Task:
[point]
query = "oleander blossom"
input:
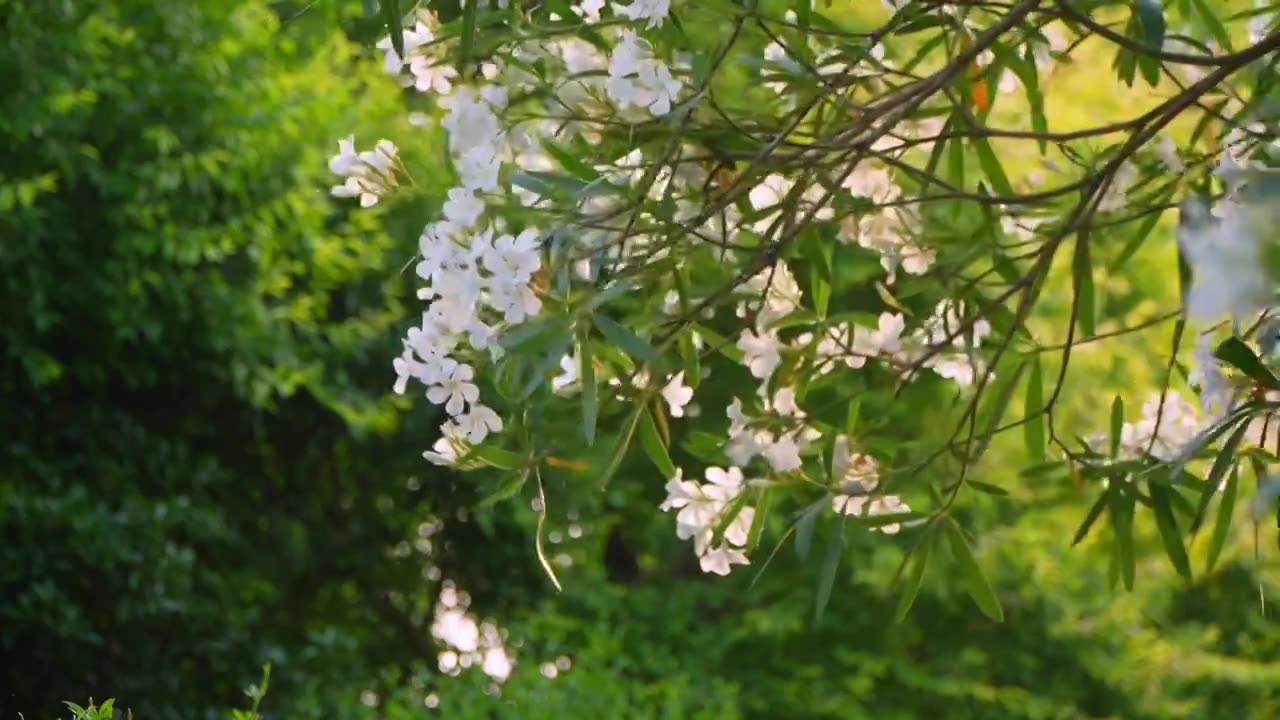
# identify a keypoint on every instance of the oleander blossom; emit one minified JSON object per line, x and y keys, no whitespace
{"x":701,"y":510}
{"x":477,"y":278}
{"x":1164,"y":431}
{"x":639,"y":80}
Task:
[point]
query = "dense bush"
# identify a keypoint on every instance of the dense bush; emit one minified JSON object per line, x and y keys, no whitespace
{"x":195,"y":451}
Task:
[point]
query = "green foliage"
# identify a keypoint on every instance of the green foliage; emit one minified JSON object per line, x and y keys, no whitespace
{"x":200,"y":471}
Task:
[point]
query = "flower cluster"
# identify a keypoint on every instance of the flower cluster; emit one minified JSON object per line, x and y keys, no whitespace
{"x":637,"y":79}
{"x":429,"y":70}
{"x":702,"y":508}
{"x":1168,"y":424}
{"x":857,"y":478}
{"x":369,"y":174}
{"x":889,"y":230}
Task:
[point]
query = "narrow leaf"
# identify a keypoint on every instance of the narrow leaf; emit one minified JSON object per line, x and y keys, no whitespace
{"x":587,"y":377}
{"x":1225,"y":460}
{"x":1234,"y":352}
{"x":507,"y":488}
{"x":1090,"y":519}
{"x":805,"y":525}
{"x":991,"y":166}
{"x":624,"y":443}
{"x":1033,"y":427}
{"x":468,"y":39}
{"x":987,"y":488}
{"x":1121,"y":505}
{"x":1117,"y":425}
{"x":1226,"y":506}
{"x":830,"y":563}
{"x":1168,"y":525}
{"x":1082,"y":276}
{"x":391,"y":16}
{"x":1151,"y":19}
{"x":653,"y":446}
{"x":914,"y":580}
{"x":975,"y":582}
{"x":630,"y":343}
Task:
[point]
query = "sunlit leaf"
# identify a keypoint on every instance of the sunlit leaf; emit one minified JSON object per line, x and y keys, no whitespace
{"x":974,"y":581}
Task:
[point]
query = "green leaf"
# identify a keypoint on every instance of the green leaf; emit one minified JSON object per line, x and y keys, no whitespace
{"x":1234,"y":352}
{"x":1005,"y":384}
{"x":803,"y":10}
{"x":991,"y":166}
{"x":987,"y":488}
{"x":1168,"y":525}
{"x":1117,"y":425}
{"x":1150,"y":16}
{"x":630,"y":343}
{"x":974,"y":581}
{"x":821,"y":290}
{"x":805,"y":525}
{"x":851,"y":416}
{"x":391,"y":16}
{"x":651,"y":442}
{"x":1082,"y":285}
{"x":1121,"y":506}
{"x":1090,"y":519}
{"x":507,"y":487}
{"x":1033,"y":428}
{"x":919,"y":560}
{"x":494,"y":456}
{"x":1225,"y":461}
{"x":1213,"y":23}
{"x":624,"y":443}
{"x":830,"y":563}
{"x":1144,"y":230}
{"x":1150,"y":69}
{"x":467,"y":40}
{"x":1226,"y":506}
{"x":587,"y":377}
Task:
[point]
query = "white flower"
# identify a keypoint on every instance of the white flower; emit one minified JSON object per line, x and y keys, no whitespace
{"x":589,"y":9}
{"x":655,"y":11}
{"x":886,"y":338}
{"x":721,"y":559}
{"x":448,"y":449}
{"x":568,"y":374}
{"x":478,"y":167}
{"x":781,"y":293}
{"x":637,"y":79}
{"x":760,"y":352}
{"x":478,"y":422}
{"x":1228,"y":276}
{"x":430,"y":76}
{"x":783,"y":454}
{"x":346,"y":161}
{"x":413,"y":39}
{"x":455,"y":389}
{"x":855,"y":473}
{"x":875,"y":184}
{"x":514,"y":258}
{"x":710,"y":499}
{"x":680,"y":492}
{"x":516,"y":301}
{"x":463,"y":207}
{"x":677,"y":395}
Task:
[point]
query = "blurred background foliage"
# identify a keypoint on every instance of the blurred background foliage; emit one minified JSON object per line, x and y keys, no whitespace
{"x":201,"y":470}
